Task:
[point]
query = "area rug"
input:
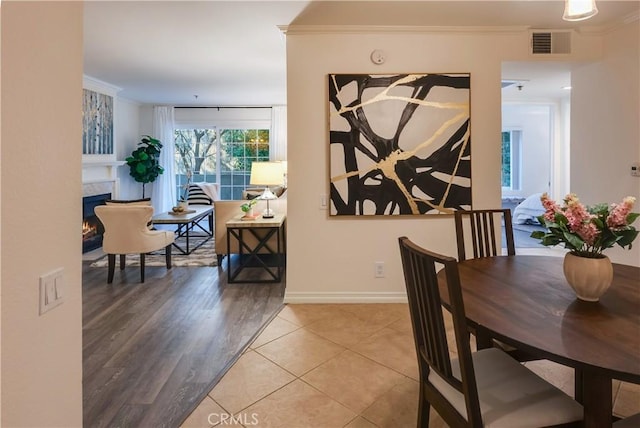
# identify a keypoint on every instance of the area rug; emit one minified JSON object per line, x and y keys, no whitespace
{"x":203,"y":256}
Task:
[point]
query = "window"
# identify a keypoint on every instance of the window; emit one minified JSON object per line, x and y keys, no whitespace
{"x":511,"y":144}
{"x":218,"y":155}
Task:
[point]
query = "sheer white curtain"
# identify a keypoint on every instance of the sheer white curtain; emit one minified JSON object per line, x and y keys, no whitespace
{"x":164,"y":188}
{"x":278,"y":137}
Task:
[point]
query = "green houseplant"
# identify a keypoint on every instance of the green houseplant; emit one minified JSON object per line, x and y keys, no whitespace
{"x":144,"y":161}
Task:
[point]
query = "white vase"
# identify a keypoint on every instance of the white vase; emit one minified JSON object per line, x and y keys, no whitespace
{"x":590,"y":278}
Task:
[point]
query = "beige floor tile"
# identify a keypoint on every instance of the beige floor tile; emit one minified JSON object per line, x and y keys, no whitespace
{"x":627,"y":402}
{"x":353,"y":380}
{"x":302,"y":315}
{"x":251,"y":378}
{"x":300,"y":405}
{"x":344,"y":328}
{"x":393,"y":349}
{"x":278,"y":327}
{"x":403,"y":324}
{"x":396,"y":408}
{"x":300,"y":351}
{"x":205,"y":415}
{"x":381,"y":314}
{"x":360,"y":422}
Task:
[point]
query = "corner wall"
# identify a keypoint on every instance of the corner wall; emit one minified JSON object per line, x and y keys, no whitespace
{"x":605,"y":131}
{"x":331,"y":259}
{"x":41,"y":212}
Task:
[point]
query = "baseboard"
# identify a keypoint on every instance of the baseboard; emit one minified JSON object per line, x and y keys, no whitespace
{"x":345,"y":297}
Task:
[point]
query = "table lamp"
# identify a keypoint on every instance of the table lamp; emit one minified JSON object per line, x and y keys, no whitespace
{"x":266,"y":174}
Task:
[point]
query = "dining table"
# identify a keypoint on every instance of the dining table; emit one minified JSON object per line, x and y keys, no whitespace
{"x":525,"y":301}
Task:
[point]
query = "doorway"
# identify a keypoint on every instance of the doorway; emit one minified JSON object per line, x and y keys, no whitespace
{"x":535,"y":133}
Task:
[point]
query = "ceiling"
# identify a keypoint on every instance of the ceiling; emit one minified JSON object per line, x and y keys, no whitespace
{"x":232,"y":53}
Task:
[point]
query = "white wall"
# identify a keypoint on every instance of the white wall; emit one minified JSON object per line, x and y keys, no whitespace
{"x":127,"y":137}
{"x":41,"y":154}
{"x":605,"y":130}
{"x":332,"y":259}
{"x":535,"y":121}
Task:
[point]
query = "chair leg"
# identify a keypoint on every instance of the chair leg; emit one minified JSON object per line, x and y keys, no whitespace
{"x":111,"y":267}
{"x":423,"y":410}
{"x":122,"y":261}
{"x":142,"y":267}
{"x":219,"y":257}
{"x":167,"y":253}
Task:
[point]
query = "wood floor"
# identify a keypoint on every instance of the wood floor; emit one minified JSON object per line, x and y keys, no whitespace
{"x":152,"y":351}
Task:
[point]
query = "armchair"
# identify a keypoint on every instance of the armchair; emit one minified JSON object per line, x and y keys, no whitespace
{"x":126,"y":232}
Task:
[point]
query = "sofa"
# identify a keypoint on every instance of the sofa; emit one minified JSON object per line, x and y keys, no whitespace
{"x":226,"y":210}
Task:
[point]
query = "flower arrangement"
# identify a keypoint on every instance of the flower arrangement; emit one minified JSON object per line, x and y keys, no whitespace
{"x":587,"y":230}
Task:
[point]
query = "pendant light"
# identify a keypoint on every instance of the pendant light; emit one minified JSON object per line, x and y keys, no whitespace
{"x":578,"y":10}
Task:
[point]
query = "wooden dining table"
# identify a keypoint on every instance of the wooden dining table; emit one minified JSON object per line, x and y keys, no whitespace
{"x":525,"y":301}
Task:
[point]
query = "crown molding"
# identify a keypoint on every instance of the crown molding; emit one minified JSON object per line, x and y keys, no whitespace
{"x":601,"y":30}
{"x":97,"y":85}
{"x":397,"y":29}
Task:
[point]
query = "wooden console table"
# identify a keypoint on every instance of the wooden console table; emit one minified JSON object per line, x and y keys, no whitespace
{"x":256,"y":252}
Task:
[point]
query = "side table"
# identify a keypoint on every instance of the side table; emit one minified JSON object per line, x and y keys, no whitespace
{"x":254,"y":249}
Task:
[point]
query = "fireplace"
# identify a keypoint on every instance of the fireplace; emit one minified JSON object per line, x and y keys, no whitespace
{"x":92,"y":228}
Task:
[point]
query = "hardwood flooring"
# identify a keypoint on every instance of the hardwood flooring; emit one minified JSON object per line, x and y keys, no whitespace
{"x":152,"y":351}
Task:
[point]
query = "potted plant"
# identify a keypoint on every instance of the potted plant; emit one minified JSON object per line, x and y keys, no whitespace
{"x":587,"y":231}
{"x":247,"y":208}
{"x":144,"y":161}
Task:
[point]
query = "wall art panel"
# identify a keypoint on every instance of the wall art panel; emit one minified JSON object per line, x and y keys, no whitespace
{"x":97,"y":123}
{"x":399,"y":144}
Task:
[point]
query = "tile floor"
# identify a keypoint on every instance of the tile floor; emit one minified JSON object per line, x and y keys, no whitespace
{"x":347,"y":365}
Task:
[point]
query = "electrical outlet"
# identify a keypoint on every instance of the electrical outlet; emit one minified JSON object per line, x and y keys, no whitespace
{"x":379,"y":269}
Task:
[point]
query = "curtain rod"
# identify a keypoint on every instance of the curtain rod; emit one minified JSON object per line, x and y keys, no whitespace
{"x":219,"y":107}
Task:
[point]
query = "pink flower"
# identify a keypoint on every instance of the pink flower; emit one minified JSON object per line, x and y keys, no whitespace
{"x":618,"y":216}
{"x":581,"y":229}
{"x":588,"y":232}
{"x":576,"y":213}
{"x":550,"y":206}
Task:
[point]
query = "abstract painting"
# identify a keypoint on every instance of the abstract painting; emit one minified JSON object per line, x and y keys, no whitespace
{"x":97,"y":123}
{"x":400,"y":144}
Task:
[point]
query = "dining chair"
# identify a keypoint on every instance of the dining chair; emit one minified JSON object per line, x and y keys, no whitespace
{"x":483,"y":227}
{"x":126,"y":231}
{"x":476,"y":389}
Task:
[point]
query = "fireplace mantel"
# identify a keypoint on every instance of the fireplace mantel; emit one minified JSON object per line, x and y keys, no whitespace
{"x":100,"y":176}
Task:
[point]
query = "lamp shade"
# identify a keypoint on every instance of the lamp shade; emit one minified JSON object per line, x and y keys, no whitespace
{"x":266,"y":173}
{"x":577,"y":10}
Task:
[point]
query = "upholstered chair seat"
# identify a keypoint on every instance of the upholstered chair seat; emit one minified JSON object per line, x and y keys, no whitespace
{"x":126,"y":232}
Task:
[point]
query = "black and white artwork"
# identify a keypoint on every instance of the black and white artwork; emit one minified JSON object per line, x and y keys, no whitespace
{"x":399,"y":144}
{"x":97,"y":123}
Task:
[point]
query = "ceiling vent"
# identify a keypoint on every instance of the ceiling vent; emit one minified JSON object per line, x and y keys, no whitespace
{"x":550,"y":42}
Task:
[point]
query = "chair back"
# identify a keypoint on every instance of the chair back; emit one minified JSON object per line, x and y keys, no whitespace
{"x":423,"y":292}
{"x":126,"y":230}
{"x":484,"y":227}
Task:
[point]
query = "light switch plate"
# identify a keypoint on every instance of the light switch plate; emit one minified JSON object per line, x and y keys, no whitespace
{"x":51,"y":290}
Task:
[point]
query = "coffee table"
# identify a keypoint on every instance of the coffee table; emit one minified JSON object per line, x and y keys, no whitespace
{"x":187,"y":222}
